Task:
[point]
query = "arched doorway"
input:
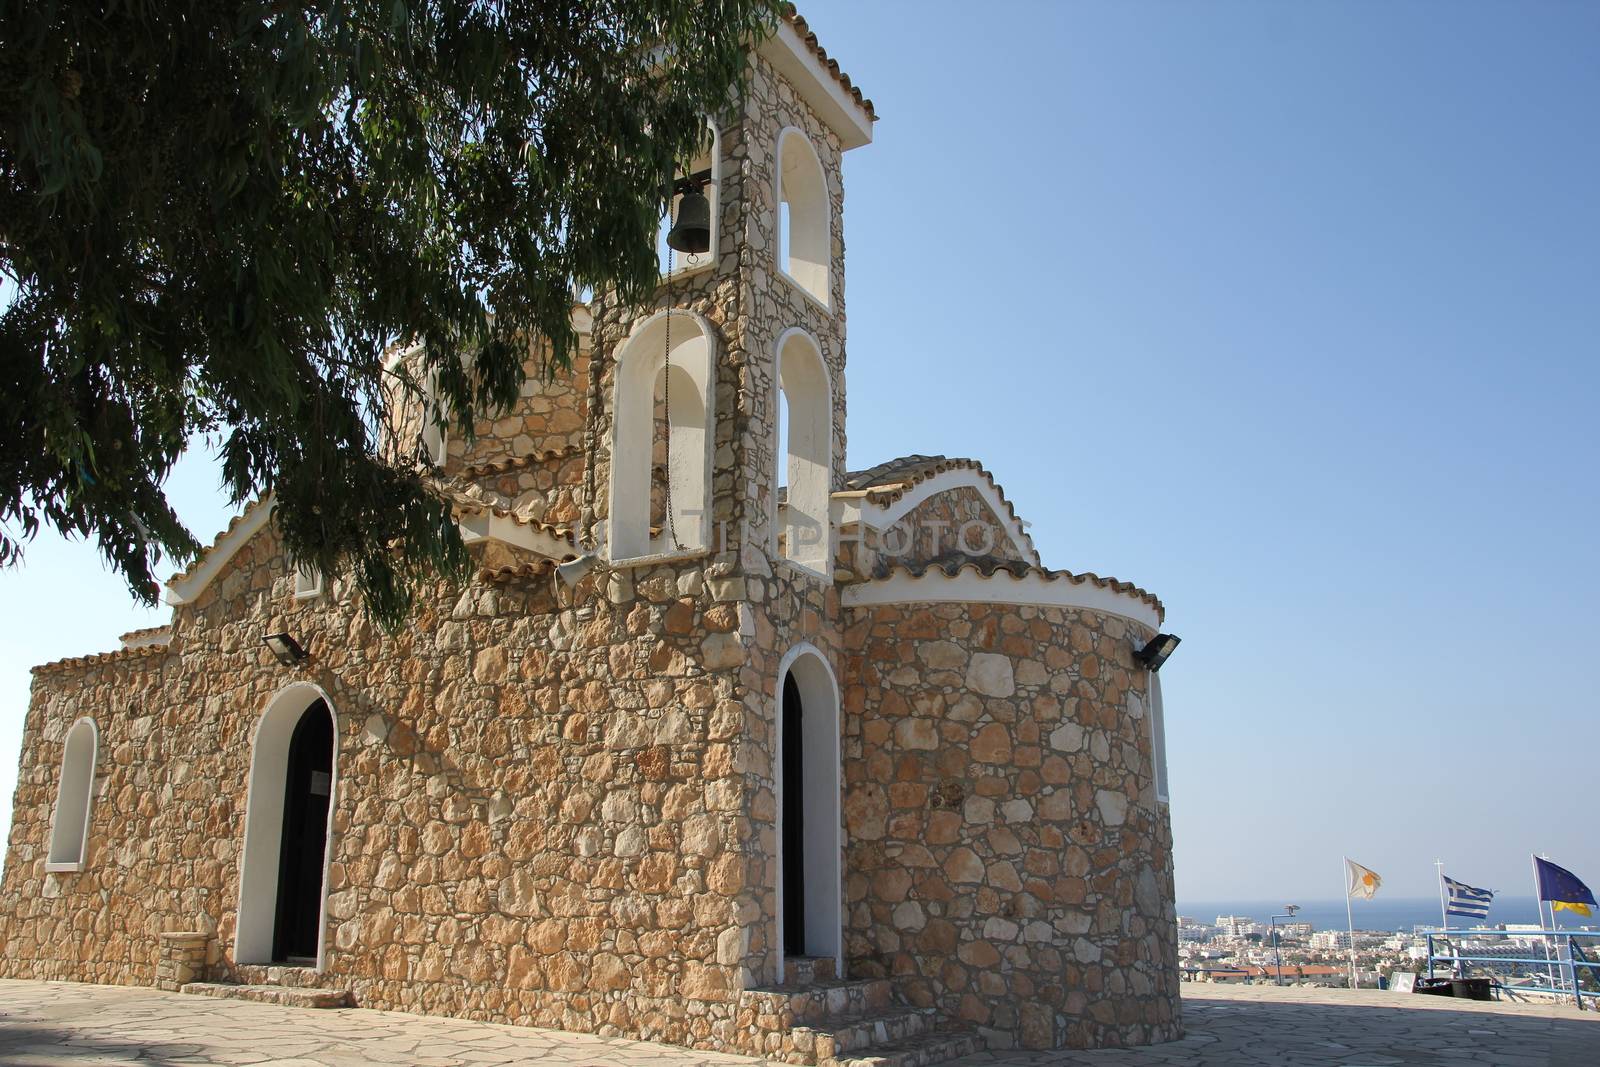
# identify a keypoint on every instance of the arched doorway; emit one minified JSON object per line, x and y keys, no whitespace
{"x":809,"y":832}
{"x":288,"y":822}
{"x":307,"y":783}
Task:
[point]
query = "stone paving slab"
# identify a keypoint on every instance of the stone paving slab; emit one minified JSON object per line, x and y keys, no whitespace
{"x":1245,"y":1026}
{"x":63,"y":1024}
{"x":51,"y":1024}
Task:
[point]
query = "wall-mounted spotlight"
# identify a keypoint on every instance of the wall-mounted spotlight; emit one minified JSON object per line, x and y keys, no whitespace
{"x":286,"y":648}
{"x":573,"y":570}
{"x":1156,"y":651}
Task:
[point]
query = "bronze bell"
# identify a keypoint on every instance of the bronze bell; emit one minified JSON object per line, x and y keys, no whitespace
{"x":692,"y":232}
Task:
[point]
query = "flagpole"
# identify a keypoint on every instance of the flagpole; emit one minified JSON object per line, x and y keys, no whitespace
{"x":1350,"y":915}
{"x":1444,"y":915}
{"x":1538,"y":905}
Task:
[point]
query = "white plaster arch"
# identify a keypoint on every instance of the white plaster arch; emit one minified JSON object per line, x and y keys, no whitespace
{"x":823,"y":845}
{"x":263,"y":824}
{"x":691,"y":433}
{"x":805,"y":459}
{"x":69,"y":825}
{"x":853,"y":507}
{"x":805,"y":251}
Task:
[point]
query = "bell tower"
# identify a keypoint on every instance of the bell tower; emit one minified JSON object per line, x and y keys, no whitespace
{"x":693,"y":459}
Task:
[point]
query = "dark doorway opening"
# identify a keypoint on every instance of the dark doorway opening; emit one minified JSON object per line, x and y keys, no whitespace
{"x":793,"y":787}
{"x":308,"y":783}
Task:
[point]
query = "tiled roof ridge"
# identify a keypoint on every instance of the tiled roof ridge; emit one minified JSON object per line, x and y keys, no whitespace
{"x":462,"y":505}
{"x":507,"y":464}
{"x":147,"y":631}
{"x":200,"y":556}
{"x":905,"y":473}
{"x":518,"y":571}
{"x":793,"y":17}
{"x":990,"y":567}
{"x":98,"y":658}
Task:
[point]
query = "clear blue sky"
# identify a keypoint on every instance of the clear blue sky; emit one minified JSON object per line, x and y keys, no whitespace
{"x":1287,"y":312}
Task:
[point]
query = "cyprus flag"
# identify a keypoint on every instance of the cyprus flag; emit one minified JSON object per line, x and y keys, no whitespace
{"x":1363,"y":883}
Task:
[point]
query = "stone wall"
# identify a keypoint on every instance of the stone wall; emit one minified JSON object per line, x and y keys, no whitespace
{"x":549,"y":417}
{"x":1008,"y":861}
{"x":538,"y":816}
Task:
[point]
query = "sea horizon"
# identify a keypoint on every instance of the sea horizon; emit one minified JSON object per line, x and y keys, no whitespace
{"x":1381,"y":913}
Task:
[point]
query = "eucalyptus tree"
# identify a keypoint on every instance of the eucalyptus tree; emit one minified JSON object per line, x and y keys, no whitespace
{"x":218,"y":216}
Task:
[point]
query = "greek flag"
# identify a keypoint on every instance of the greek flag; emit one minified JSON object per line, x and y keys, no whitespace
{"x":1466,"y":900}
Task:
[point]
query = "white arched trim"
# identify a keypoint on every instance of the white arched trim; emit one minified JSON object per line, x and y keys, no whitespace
{"x":69,"y":826}
{"x":263,"y":824}
{"x":691,"y":434}
{"x":804,"y":253}
{"x":853,"y":507}
{"x":805,"y":460}
{"x":969,"y":586}
{"x":823,"y":845}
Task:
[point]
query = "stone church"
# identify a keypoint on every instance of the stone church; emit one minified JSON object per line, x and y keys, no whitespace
{"x":725,"y":744}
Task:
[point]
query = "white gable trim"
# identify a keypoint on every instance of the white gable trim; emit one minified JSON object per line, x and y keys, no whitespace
{"x":818,"y":87}
{"x":968,"y":586}
{"x":185,"y":589}
{"x":858,"y":507}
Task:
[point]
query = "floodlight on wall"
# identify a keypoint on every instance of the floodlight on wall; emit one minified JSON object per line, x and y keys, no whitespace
{"x":286,"y":648}
{"x":1157,"y":650}
{"x":573,"y":570}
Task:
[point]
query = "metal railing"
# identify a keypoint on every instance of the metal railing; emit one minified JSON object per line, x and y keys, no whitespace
{"x":1561,"y":975}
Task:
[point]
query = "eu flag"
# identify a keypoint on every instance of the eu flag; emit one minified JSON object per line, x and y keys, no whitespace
{"x":1563,"y":888}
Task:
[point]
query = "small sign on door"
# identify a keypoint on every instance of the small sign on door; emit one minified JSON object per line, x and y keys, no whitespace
{"x":320,"y":781}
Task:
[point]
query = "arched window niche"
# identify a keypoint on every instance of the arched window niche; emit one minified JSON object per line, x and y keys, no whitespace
{"x":804,"y":216}
{"x":804,"y":453}
{"x":688,"y":395}
{"x":708,"y":159}
{"x":69,"y":829}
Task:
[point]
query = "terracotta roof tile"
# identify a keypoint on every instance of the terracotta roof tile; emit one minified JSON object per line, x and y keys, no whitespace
{"x":148,"y":631}
{"x":519,"y":572}
{"x":97,"y":659}
{"x":512,"y":463}
{"x":464,"y":505}
{"x":794,"y":19}
{"x":989,"y":567}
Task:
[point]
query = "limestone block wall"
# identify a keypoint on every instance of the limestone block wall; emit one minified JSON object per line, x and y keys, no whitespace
{"x":549,"y":416}
{"x":538,"y":817}
{"x":790,"y":608}
{"x":1008,"y":861}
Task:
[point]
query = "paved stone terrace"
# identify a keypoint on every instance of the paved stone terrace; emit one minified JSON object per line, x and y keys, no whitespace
{"x":1245,"y":1026}
{"x":44,"y":1024}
